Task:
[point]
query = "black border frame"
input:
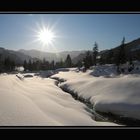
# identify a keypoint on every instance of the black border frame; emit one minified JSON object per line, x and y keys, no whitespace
{"x":69,"y":7}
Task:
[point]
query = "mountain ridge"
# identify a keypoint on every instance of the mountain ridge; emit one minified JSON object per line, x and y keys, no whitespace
{"x":49,"y":56}
{"x":77,"y":55}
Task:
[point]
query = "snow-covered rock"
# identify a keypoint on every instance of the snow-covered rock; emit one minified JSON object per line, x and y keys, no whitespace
{"x":104,"y":70}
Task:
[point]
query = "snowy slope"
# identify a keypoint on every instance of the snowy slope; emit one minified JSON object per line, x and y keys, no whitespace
{"x":37,"y":101}
{"x":119,"y":95}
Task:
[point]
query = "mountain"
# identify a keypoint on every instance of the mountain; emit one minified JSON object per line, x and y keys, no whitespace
{"x":18,"y":57}
{"x":21,"y":55}
{"x":132,"y":51}
{"x":132,"y":48}
{"x":39,"y":54}
{"x":79,"y":57}
{"x":50,"y":56}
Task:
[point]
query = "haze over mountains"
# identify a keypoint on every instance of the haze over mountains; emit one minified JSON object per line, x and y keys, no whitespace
{"x":18,"y":57}
{"x":50,"y":56}
{"x":21,"y":55}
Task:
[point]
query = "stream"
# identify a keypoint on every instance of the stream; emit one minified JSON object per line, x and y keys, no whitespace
{"x":89,"y":107}
{"x":96,"y":115}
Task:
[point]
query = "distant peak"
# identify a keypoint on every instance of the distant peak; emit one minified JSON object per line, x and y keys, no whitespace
{"x":1,"y":48}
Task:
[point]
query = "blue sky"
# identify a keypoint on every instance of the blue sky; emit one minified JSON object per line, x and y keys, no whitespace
{"x":73,"y":31}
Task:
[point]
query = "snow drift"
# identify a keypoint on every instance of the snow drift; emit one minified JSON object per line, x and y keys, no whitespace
{"x":37,"y":101}
{"x":106,"y":91}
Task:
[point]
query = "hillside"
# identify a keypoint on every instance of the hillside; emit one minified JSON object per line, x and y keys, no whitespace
{"x":18,"y":57}
{"x":131,"y":49}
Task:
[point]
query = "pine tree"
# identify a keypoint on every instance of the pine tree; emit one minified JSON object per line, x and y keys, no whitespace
{"x":122,"y":52}
{"x":34,"y":66}
{"x":109,"y":57}
{"x":47,"y":65}
{"x":25,"y":65}
{"x":101,"y":60}
{"x":43,"y":64}
{"x":52,"y":65}
{"x":61,"y":63}
{"x":1,"y":64}
{"x":123,"y":41}
{"x":87,"y":60}
{"x":79,"y":64}
{"x":12,"y":65}
{"x":68,"y":61}
{"x":7,"y":64}
{"x":38,"y":65}
{"x":95,"y":53}
{"x":30,"y":65}
{"x":121,"y":57}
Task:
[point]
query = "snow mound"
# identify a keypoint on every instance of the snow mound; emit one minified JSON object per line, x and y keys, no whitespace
{"x":110,"y":70}
{"x":118,"y":95}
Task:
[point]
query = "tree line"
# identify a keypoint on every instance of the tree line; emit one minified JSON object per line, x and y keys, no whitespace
{"x":117,"y":57}
{"x":6,"y":65}
{"x":46,"y":65}
{"x":92,"y":58}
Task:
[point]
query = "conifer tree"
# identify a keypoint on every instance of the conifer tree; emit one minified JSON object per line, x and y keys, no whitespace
{"x":25,"y":65}
{"x":95,"y":53}
{"x":68,"y":61}
{"x":121,"y":56}
{"x":87,"y":60}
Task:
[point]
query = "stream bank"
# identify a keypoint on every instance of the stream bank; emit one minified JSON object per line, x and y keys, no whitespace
{"x":97,"y":115}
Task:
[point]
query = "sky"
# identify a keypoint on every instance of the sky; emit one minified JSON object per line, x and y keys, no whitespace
{"x":72,"y":31}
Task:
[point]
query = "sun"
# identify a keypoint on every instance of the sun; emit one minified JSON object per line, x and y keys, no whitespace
{"x":46,"y":36}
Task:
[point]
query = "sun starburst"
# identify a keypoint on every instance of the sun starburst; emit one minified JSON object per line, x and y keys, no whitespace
{"x":46,"y":36}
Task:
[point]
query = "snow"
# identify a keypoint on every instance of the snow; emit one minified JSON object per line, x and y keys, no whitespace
{"x":20,"y":69}
{"x":104,"y":70}
{"x":37,"y":101}
{"x":136,"y":48}
{"x":107,"y":91}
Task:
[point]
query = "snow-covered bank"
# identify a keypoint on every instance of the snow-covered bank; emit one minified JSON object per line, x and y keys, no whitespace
{"x":37,"y":101}
{"x":117,"y":94}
